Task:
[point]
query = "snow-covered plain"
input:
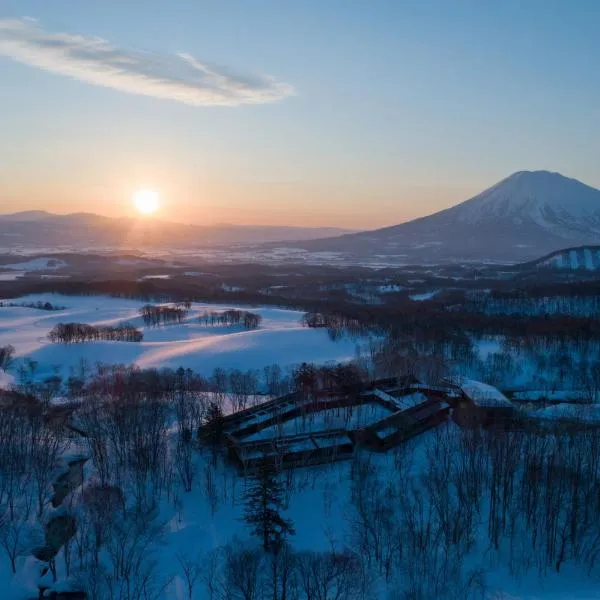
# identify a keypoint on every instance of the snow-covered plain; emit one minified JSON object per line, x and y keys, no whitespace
{"x":280,"y":339}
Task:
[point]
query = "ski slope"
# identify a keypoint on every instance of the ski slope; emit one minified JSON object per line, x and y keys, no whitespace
{"x":280,"y":339}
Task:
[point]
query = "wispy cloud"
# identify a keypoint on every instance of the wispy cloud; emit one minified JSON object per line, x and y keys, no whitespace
{"x":179,"y":77}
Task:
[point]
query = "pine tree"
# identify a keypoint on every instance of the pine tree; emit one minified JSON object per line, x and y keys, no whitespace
{"x":263,"y":501}
{"x":213,"y":428}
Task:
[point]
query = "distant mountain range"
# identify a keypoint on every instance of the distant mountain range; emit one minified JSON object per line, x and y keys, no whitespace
{"x":525,"y":216}
{"x":528,"y":214}
{"x":82,"y":231}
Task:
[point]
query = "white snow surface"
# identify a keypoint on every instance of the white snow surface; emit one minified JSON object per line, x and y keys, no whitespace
{"x":425,"y":296}
{"x":548,"y":199}
{"x":411,"y":400}
{"x":484,"y":394}
{"x":280,"y":339}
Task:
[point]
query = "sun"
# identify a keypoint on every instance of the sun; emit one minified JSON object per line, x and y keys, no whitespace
{"x":146,"y":201}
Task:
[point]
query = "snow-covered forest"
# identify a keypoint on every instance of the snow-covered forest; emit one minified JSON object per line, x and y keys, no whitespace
{"x":117,"y":480}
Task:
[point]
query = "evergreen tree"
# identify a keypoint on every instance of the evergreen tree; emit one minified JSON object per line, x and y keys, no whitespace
{"x":263,"y":501}
{"x":213,"y":428}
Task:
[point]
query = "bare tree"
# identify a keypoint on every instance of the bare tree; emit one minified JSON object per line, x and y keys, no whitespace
{"x":328,"y":575}
{"x":242,"y":577}
{"x":191,"y":570}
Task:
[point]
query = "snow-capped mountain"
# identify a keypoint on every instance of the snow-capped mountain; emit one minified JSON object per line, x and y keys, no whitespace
{"x":519,"y":218}
{"x":550,"y":200}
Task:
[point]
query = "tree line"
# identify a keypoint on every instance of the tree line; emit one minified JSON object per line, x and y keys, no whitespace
{"x":68,"y":333}
{"x":37,"y":305}
{"x":156,"y":315}
{"x":231,"y":316}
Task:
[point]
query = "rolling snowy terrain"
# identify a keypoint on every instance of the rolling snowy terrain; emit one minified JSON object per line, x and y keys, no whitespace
{"x":280,"y":339}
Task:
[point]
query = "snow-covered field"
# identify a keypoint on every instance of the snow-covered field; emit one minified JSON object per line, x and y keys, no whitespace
{"x":280,"y":339}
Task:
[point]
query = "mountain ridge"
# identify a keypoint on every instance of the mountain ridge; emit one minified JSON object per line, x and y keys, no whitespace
{"x":84,"y":230}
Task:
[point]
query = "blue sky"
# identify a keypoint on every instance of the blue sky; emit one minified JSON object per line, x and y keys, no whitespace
{"x":378,"y":111}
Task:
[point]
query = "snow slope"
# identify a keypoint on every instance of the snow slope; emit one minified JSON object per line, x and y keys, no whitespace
{"x":280,"y":339}
{"x":548,"y":199}
{"x":584,"y":257}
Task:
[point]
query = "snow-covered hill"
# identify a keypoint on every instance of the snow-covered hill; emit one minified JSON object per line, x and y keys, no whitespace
{"x":519,"y":218}
{"x":281,"y":338}
{"x":573,"y":259}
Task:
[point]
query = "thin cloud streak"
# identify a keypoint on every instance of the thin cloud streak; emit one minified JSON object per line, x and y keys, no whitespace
{"x":179,"y":77}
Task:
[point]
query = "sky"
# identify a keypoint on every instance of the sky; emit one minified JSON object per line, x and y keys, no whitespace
{"x":298,"y":112}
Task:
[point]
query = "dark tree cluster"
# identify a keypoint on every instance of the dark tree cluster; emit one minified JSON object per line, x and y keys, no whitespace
{"x":6,"y":356}
{"x":310,"y":378}
{"x":30,"y":452}
{"x":130,"y":380}
{"x":242,"y":571}
{"x":337,"y":324}
{"x":315,"y":320}
{"x":231,"y":316}
{"x":68,"y":333}
{"x":157,"y":315}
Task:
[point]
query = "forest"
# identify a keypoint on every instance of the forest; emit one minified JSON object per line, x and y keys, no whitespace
{"x":135,"y":468}
{"x":528,"y":497}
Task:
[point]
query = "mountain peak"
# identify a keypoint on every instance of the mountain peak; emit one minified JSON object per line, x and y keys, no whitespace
{"x":538,"y":177}
{"x":541,"y":196}
{"x":536,"y":173}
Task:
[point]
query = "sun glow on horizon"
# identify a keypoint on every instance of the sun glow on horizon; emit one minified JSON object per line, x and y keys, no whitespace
{"x":146,"y":201}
